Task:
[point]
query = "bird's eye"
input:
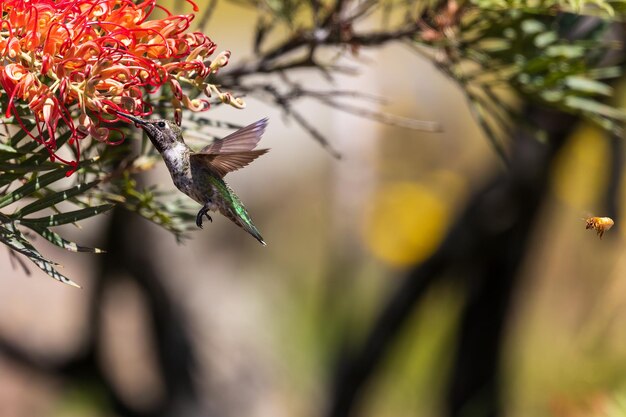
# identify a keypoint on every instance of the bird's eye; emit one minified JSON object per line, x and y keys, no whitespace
{"x":161,"y":124}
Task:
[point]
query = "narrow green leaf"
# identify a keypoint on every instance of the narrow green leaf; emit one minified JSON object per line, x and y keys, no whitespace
{"x":7,"y":148}
{"x":592,"y":106}
{"x":6,"y":167}
{"x":9,"y":152}
{"x":41,"y":155}
{"x":608,"y":124}
{"x":64,"y":218}
{"x":5,"y":156}
{"x":587,"y":85}
{"x":532,"y":26}
{"x":6,"y":179}
{"x":14,"y":239}
{"x":19,"y":244}
{"x":605,"y":72}
{"x":565,"y":51}
{"x":21,"y":133}
{"x":494,"y":44}
{"x":552,"y":96}
{"x":30,"y":147}
{"x":37,"y":184}
{"x":542,"y":40}
{"x":59,"y":241}
{"x":33,"y":185}
{"x":54,"y":198}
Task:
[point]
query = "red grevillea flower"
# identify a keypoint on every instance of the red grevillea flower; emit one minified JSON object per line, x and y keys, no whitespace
{"x":72,"y":61}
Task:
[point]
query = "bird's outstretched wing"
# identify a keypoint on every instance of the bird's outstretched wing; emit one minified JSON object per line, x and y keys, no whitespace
{"x":234,"y":151}
{"x":244,"y":139}
{"x":223,"y":163}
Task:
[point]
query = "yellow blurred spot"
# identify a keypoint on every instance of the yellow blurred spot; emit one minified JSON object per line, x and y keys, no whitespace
{"x":405,"y":223}
{"x":581,"y":169}
{"x":144,"y":163}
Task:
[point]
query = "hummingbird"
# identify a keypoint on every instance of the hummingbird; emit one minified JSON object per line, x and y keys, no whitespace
{"x":200,"y":175}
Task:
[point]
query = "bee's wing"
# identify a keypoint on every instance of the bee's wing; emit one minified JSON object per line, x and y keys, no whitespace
{"x":244,"y":139}
{"x":223,"y":163}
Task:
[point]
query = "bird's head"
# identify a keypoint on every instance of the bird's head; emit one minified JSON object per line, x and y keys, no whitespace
{"x":162,"y":133}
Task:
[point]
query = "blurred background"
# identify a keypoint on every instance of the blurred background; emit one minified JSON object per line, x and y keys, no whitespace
{"x":221,"y":326}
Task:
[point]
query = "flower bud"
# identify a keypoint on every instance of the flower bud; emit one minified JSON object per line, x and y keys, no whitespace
{"x":220,"y":60}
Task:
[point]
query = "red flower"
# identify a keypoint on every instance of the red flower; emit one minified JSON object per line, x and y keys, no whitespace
{"x":72,"y":61}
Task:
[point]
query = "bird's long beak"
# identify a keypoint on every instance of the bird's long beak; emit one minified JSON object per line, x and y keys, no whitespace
{"x":135,"y":119}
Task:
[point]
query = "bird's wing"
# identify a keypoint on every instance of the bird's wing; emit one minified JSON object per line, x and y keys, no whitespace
{"x":223,"y":163}
{"x":244,"y":139}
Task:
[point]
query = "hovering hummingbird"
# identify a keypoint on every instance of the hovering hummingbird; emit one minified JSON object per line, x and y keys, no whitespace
{"x":200,"y":175}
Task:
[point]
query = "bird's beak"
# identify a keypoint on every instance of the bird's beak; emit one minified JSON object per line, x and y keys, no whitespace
{"x":137,"y":120}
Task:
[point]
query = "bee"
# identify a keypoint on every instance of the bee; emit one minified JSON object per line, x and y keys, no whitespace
{"x":599,"y":224}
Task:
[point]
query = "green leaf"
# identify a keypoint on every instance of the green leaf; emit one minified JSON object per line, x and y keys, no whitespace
{"x":532,"y":26}
{"x":37,"y":183}
{"x":544,"y":39}
{"x":54,"y":198}
{"x":605,"y":72}
{"x":64,"y":218}
{"x":494,"y":44}
{"x":565,"y":51}
{"x":15,"y":241}
{"x":552,"y":96}
{"x":588,"y":85}
{"x":7,"y":148}
{"x":21,"y":134}
{"x":6,"y":179}
{"x":6,"y":167}
{"x":59,"y":241}
{"x":33,"y":185}
{"x":40,"y":155}
{"x":592,"y":106}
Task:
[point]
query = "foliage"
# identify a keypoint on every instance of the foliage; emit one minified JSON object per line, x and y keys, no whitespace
{"x":502,"y":53}
{"x":45,"y":197}
{"x":503,"y":57}
{"x":67,"y":68}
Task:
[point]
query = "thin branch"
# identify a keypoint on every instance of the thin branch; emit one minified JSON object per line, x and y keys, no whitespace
{"x":382,"y":117}
{"x":320,"y":37}
{"x":312,"y":130}
{"x":208,"y":13}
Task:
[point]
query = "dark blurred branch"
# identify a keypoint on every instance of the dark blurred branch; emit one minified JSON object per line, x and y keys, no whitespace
{"x":333,"y":36}
{"x":176,"y":359}
{"x":355,"y":368}
{"x":174,"y":352}
{"x":484,"y":248}
{"x":208,"y":13}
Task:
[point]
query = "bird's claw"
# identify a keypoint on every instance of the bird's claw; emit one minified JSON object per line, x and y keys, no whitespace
{"x":203,"y":212}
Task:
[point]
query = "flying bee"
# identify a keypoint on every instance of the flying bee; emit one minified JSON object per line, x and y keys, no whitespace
{"x":599,"y":224}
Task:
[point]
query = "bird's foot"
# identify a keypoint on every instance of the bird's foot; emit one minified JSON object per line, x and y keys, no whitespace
{"x":203,"y":212}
